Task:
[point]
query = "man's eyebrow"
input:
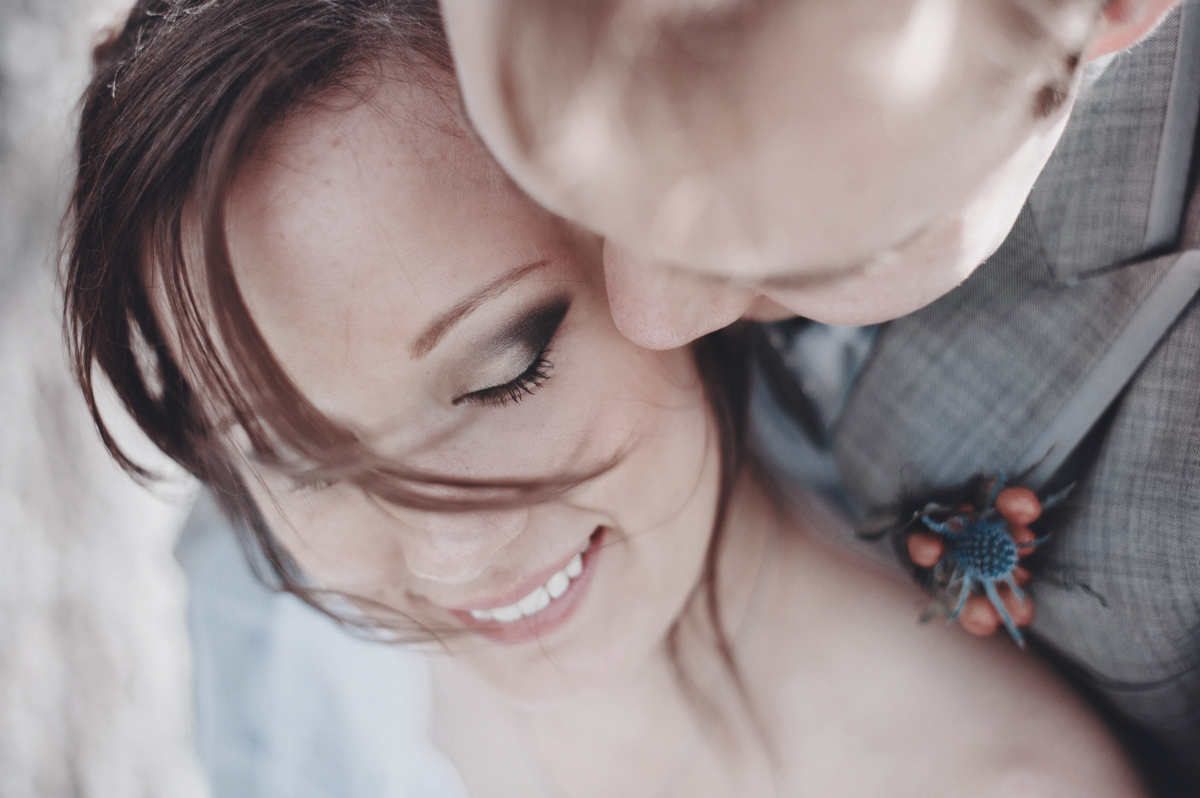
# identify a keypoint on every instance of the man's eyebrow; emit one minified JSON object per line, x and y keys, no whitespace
{"x":442,"y":324}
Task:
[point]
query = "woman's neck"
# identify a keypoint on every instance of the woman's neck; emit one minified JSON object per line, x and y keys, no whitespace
{"x":682,"y":708}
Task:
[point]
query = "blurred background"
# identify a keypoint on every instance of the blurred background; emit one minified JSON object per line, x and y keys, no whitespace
{"x":139,"y":656}
{"x":94,"y":662}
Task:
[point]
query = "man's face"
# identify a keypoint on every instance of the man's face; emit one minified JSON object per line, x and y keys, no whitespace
{"x":846,"y":160}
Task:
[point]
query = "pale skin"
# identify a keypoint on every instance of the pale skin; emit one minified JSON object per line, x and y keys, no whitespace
{"x":355,"y":227}
{"x":849,"y":161}
{"x":854,"y":698}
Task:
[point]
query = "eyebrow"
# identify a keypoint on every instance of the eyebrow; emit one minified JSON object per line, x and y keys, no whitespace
{"x":445,"y":322}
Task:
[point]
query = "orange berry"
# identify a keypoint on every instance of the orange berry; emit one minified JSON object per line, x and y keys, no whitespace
{"x":1019,"y":506}
{"x":979,"y":617}
{"x":925,"y":550}
{"x":1022,"y":534}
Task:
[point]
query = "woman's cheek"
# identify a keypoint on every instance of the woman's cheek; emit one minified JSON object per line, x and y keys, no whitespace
{"x":337,"y":538}
{"x":667,"y":447}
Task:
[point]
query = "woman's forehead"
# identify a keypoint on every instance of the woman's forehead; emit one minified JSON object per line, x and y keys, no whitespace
{"x":357,"y":223}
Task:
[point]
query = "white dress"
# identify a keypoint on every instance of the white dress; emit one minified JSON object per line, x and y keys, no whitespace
{"x":290,"y":705}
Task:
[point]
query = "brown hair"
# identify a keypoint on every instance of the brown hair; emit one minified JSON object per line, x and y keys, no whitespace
{"x":179,"y":96}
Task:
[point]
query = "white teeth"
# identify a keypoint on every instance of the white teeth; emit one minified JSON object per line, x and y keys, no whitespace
{"x":537,"y":600}
{"x":506,"y":614}
{"x":540,"y":598}
{"x":558,"y":584}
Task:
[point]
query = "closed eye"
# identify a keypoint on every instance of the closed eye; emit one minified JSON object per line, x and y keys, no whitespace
{"x":516,"y":389}
{"x":536,"y":331}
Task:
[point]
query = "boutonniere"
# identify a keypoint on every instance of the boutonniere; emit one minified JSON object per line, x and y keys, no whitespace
{"x":978,"y":532}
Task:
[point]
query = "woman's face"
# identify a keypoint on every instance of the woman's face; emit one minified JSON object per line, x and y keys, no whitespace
{"x":413,"y":294}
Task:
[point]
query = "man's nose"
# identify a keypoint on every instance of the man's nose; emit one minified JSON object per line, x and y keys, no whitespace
{"x":659,"y":306}
{"x":454,"y":548}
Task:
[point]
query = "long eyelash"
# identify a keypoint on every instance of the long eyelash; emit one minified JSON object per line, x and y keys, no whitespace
{"x":517,"y":389}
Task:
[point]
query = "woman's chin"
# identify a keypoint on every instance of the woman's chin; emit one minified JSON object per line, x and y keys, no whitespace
{"x":543,"y":674}
{"x":544,"y":680}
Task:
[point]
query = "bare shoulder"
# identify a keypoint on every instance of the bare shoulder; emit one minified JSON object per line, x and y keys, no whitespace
{"x":871,"y":702}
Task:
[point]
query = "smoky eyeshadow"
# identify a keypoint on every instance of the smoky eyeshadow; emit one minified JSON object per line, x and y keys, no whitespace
{"x":530,"y":332}
{"x":533,"y":329}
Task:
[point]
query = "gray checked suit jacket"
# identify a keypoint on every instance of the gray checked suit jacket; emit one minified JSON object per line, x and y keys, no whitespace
{"x":968,"y":383}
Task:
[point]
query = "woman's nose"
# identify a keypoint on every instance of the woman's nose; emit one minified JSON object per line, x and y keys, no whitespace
{"x":454,"y":548}
{"x":659,"y":306}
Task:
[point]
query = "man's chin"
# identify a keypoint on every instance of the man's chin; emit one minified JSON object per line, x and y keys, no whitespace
{"x":859,"y":302}
{"x":767,"y":309}
{"x":892,"y":285}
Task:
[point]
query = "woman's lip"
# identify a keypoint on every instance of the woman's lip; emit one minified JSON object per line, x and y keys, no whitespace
{"x":522,"y":588}
{"x":542,"y":623}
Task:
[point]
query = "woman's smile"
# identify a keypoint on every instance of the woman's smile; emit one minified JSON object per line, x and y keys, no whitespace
{"x":523,"y":613}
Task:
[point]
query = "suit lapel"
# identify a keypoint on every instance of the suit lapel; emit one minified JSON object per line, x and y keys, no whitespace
{"x":967,"y":384}
{"x":1114,"y":189}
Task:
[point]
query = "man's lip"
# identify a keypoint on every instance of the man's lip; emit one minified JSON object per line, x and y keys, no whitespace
{"x":522,"y":588}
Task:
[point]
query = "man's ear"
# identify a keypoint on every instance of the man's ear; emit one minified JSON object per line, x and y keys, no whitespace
{"x":1126,"y":21}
